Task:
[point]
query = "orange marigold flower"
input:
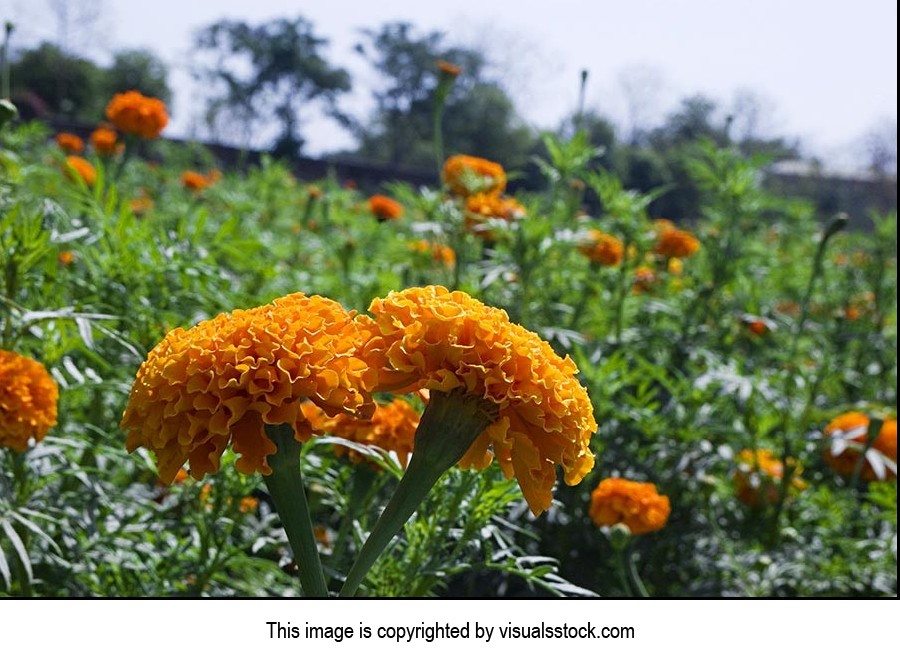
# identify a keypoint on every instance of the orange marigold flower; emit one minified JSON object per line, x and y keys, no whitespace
{"x":483,"y":207}
{"x":644,"y":280}
{"x":439,"y":252}
{"x":223,"y":379}
{"x":636,"y":505}
{"x":846,"y":438}
{"x":675,"y":243}
{"x":385,"y":208}
{"x":757,"y":325}
{"x":676,"y":266}
{"x":140,"y":205}
{"x":66,"y":257}
{"x":757,"y":478}
{"x":196,"y":181}
{"x":468,"y":175}
{"x":106,"y":142}
{"x":28,"y":400}
{"x":446,"y":341}
{"x":448,"y":69}
{"x":71,"y":144}
{"x":852,"y":313}
{"x":78,"y":166}
{"x":602,"y":248}
{"x":314,"y":192}
{"x":136,"y":114}
{"x":248,"y":505}
{"x":392,"y":428}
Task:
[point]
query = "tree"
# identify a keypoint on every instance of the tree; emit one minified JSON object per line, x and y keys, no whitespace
{"x":479,"y":117}
{"x":266,"y":74}
{"x":140,"y":70}
{"x":46,"y":80}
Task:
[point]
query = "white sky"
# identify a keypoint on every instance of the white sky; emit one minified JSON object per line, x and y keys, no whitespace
{"x":826,"y":69}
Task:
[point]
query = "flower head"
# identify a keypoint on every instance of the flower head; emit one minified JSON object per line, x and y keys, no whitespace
{"x":223,"y":379}
{"x":483,"y":207}
{"x":449,"y":342}
{"x":392,"y":428}
{"x":76,"y":166}
{"x":106,"y":142}
{"x":846,"y":438}
{"x":758,"y":475}
{"x":140,"y":205}
{"x":385,"y":208}
{"x":673,"y":242}
{"x":136,"y":114}
{"x":196,"y":181}
{"x":439,"y":252}
{"x":71,"y":144}
{"x":448,"y":69}
{"x":602,"y":248}
{"x":28,"y":399}
{"x":644,"y":280}
{"x":636,"y":505}
{"x":66,"y":257}
{"x":468,"y":175}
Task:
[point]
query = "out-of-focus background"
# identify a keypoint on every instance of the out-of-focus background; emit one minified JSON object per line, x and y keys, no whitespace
{"x":816,"y":79}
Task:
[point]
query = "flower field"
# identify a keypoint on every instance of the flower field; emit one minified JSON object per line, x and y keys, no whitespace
{"x":238,"y":383}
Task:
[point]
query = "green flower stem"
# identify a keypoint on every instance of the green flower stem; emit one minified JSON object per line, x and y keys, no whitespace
{"x":285,"y":484}
{"x":622,"y":571}
{"x":635,"y":577}
{"x":364,"y":479}
{"x":449,"y":425}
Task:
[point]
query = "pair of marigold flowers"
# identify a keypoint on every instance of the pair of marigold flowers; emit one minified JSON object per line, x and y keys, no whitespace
{"x":226,"y":379}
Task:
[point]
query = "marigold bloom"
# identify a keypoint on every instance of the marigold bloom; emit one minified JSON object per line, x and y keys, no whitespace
{"x":28,"y":400}
{"x":248,"y":505}
{"x":66,"y":257}
{"x":757,"y":325}
{"x":439,"y":252}
{"x":644,"y":280}
{"x":106,"y":142}
{"x":448,"y":69}
{"x":852,"y":313}
{"x":78,"y":166}
{"x":140,"y":205}
{"x":196,"y":181}
{"x":71,"y":144}
{"x":314,"y":192}
{"x":392,"y":428}
{"x":136,"y":114}
{"x":757,"y":478}
{"x":636,"y":505}
{"x":846,"y":437}
{"x":484,"y":207}
{"x":603,"y":248}
{"x":676,"y":266}
{"x":675,"y":243}
{"x":447,"y":341}
{"x":385,"y":208}
{"x":223,"y":379}
{"x":468,"y":175}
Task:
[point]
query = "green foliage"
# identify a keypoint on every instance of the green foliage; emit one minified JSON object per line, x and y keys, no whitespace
{"x":679,"y":383}
{"x":268,"y":73}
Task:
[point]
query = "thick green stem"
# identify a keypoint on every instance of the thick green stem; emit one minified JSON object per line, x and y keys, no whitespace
{"x":449,"y":425}
{"x":285,"y":484}
{"x":622,"y":571}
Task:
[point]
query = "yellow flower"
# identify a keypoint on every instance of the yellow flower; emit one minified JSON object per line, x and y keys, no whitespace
{"x":846,"y":437}
{"x":223,"y":379}
{"x":447,"y":341}
{"x":136,"y":114}
{"x":392,"y":428}
{"x":28,"y":400}
{"x":602,"y":248}
{"x":636,"y":505}
{"x":758,"y":477}
{"x":468,"y":175}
